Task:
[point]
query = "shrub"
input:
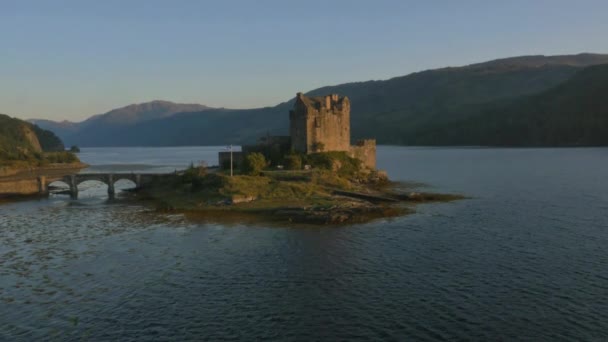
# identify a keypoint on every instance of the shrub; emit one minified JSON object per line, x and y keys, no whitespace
{"x":293,"y":162}
{"x":60,"y":157}
{"x":254,"y":164}
{"x":339,"y":162}
{"x":193,"y":175}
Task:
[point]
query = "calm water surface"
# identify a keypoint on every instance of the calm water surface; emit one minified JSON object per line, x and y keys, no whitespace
{"x":525,"y":258}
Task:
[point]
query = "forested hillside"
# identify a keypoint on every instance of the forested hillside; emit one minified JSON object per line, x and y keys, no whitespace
{"x":574,"y":113}
{"x":21,"y":141}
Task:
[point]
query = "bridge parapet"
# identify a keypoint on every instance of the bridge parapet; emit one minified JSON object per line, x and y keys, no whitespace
{"x":140,"y":179}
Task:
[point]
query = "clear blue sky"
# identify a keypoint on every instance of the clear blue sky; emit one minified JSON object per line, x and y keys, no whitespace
{"x":72,"y":59}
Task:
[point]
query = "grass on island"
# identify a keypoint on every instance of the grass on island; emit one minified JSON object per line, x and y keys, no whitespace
{"x":336,"y":189}
{"x":253,"y":192}
{"x":255,"y":187}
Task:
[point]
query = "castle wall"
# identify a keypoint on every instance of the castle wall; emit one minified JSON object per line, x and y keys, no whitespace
{"x":320,"y":124}
{"x":365,"y":150}
{"x":224,"y":160}
{"x":298,"y":128}
{"x":329,"y":130}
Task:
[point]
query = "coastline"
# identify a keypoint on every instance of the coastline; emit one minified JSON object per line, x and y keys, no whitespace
{"x":267,"y":199}
{"x":23,"y":183}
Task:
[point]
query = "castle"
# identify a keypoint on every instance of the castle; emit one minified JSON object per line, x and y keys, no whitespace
{"x":322,"y":124}
{"x":316,"y":124}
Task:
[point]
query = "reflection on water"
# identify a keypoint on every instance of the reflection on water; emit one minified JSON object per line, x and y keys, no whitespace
{"x":525,"y":258}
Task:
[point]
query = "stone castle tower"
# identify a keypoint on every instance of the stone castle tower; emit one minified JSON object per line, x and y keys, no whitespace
{"x":320,"y":124}
{"x":316,"y":124}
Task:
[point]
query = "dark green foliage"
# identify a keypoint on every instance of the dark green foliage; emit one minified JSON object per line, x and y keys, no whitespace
{"x":254,"y":164}
{"x":319,"y":160}
{"x":573,"y":114}
{"x":226,"y":165}
{"x":48,"y":140}
{"x":74,"y":149}
{"x":194,"y":175}
{"x":293,"y":162}
{"x":64,"y":157}
{"x":273,"y":150}
{"x":15,"y":146}
{"x":213,"y":181}
{"x":340,"y":162}
{"x":195,"y":171}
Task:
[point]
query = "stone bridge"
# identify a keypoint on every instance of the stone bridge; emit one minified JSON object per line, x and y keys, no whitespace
{"x":140,"y":180}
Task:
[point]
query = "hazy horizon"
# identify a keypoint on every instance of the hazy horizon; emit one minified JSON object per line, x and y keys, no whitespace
{"x":71,"y":60}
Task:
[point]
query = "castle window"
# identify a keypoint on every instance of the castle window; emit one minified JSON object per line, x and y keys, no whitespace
{"x":317,"y":123}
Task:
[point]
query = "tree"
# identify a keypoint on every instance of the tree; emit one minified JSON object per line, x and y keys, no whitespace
{"x":254,"y":163}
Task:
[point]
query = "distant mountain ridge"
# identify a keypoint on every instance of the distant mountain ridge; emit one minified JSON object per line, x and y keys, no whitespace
{"x":143,"y":112}
{"x":535,"y":61}
{"x":96,"y":126}
{"x":395,"y":111}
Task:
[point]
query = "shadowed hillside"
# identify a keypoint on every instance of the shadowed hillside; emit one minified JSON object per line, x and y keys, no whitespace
{"x":23,"y":141}
{"x":574,"y":113}
{"x":400,"y":110}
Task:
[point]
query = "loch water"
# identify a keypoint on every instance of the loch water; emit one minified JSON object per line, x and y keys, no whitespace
{"x":525,"y":257}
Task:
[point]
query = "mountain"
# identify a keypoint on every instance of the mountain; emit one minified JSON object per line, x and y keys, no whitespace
{"x":574,"y":113}
{"x":62,"y":128}
{"x":100,"y":127}
{"x":137,"y":113}
{"x":402,"y":110}
{"x":21,"y":140}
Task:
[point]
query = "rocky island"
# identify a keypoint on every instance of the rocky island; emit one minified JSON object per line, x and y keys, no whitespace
{"x":314,"y":175}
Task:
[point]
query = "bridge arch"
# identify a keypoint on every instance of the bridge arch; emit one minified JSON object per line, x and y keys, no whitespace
{"x":125,"y":183}
{"x":58,"y":183}
{"x":91,"y":188}
{"x":109,"y":179}
{"x":91,"y":179}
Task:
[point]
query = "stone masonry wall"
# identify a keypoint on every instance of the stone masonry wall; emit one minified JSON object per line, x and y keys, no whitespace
{"x":320,"y":124}
{"x":20,"y":187}
{"x":365,"y":150}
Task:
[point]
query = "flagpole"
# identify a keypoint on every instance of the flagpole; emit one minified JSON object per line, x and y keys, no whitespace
{"x":230,"y":160}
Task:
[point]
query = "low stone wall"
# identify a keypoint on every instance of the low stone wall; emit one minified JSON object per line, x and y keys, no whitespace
{"x":5,"y":171}
{"x":365,"y":150}
{"x":20,"y":187}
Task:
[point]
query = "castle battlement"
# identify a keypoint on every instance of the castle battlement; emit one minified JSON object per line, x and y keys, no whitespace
{"x":365,"y":142}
